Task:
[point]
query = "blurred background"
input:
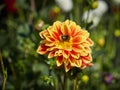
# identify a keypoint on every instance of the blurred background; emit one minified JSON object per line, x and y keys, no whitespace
{"x":20,"y":24}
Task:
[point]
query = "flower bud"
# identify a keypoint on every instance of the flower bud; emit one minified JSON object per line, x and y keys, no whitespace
{"x":54,"y":13}
{"x":95,"y":4}
{"x":85,"y":78}
{"x":39,"y":25}
{"x":117,"y":33}
{"x":101,"y":42}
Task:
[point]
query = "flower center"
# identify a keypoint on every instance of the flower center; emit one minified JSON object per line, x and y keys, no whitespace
{"x":65,"y":43}
{"x":65,"y":38}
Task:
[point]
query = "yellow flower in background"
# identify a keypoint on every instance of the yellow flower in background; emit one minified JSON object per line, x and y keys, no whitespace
{"x":95,"y":4}
{"x":117,"y":33}
{"x":85,"y":78}
{"x":68,"y":43}
{"x":101,"y":42}
{"x":56,"y":9}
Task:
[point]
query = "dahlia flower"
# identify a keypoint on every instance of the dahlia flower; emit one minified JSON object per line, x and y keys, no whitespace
{"x":68,"y":43}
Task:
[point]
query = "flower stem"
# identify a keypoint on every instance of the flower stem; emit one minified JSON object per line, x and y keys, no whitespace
{"x":65,"y":82}
{"x":12,"y":68}
{"x":4,"y":73}
{"x":44,"y":3}
{"x":87,"y":18}
{"x":75,"y":87}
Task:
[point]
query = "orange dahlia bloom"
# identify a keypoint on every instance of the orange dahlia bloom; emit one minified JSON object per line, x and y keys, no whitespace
{"x":68,"y":43}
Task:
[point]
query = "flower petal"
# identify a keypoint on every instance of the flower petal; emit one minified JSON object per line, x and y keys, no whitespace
{"x":51,"y":54}
{"x":74,"y":54}
{"x":83,"y":53}
{"x":57,"y":28}
{"x":73,"y":28}
{"x":90,"y":42}
{"x":65,"y":54}
{"x":50,"y":44}
{"x":78,"y":63}
{"x":86,"y":65}
{"x":42,"y":49}
{"x":59,"y":60}
{"x":67,"y":66}
{"x":88,"y":57}
{"x":65,"y":29}
{"x":78,"y":39}
{"x":75,"y":62}
{"x":50,"y":39}
{"x":77,"y":48}
{"x":53,"y":34}
{"x":58,"y":52}
{"x":44,"y":34}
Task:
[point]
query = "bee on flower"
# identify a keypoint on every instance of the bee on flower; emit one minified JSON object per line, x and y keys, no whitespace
{"x":69,"y":43}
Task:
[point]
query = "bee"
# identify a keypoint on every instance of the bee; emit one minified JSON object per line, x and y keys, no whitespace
{"x":65,"y":37}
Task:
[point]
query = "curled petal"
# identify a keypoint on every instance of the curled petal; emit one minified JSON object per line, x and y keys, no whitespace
{"x":65,"y":30}
{"x":58,"y":52}
{"x":73,"y":29}
{"x":76,"y":63}
{"x":67,"y":22}
{"x":67,"y":66}
{"x":84,"y":33}
{"x":88,"y":57}
{"x":59,"y":60}
{"x":57,"y":28}
{"x":44,"y":34}
{"x":42,"y":49}
{"x":87,"y":49}
{"x":49,"y":44}
{"x":50,"y":39}
{"x":77,"y":48}
{"x":83,"y":53}
{"x":74,"y":54}
{"x":86,"y":65}
{"x":65,"y":54}
{"x":51,"y":54}
{"x":90,"y":42}
{"x":78,"y":39}
{"x":86,"y":61}
{"x":53,"y":34}
{"x":51,"y":48}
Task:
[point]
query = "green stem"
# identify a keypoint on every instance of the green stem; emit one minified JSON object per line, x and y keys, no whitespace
{"x":87,"y":19}
{"x":59,"y":82}
{"x":12,"y":68}
{"x":44,"y":3}
{"x":76,"y":12}
{"x":4,"y":72}
{"x":65,"y":82}
{"x":75,"y":87}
